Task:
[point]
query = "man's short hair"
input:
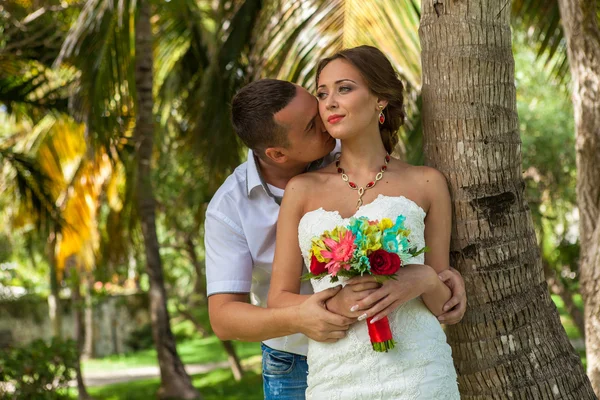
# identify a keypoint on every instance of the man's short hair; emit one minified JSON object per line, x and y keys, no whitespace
{"x":252,"y":113}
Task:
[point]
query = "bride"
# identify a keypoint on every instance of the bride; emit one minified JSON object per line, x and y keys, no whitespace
{"x":361,"y":104}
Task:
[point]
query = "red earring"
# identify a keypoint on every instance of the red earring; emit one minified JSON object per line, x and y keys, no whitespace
{"x":381,"y":116}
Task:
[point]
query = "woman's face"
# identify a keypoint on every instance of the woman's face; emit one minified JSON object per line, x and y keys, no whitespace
{"x":346,"y":104}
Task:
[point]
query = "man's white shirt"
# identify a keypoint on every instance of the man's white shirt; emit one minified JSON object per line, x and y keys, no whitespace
{"x":240,"y":230}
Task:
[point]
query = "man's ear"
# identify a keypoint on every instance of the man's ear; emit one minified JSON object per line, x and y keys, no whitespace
{"x":276,"y":154}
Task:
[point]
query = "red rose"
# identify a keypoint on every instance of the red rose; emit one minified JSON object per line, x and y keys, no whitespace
{"x":384,"y":263}
{"x":317,"y":267}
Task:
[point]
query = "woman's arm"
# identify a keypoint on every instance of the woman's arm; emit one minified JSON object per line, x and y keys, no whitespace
{"x":287,"y":264}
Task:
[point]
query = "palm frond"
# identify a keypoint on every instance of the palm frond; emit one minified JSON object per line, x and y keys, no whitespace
{"x":181,"y":52}
{"x":30,"y":83}
{"x":35,"y":33}
{"x":286,"y":46}
{"x":100,"y":44}
{"x":33,"y":189}
{"x":540,"y":19}
{"x":79,"y":237}
{"x":205,"y":100}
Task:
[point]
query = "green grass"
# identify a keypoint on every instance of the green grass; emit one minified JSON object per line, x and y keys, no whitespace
{"x":191,"y":351}
{"x":215,"y":385}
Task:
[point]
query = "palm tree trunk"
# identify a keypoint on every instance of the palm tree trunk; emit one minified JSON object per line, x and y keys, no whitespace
{"x":88,"y":345}
{"x":198,"y":299}
{"x":510,"y":343}
{"x":175,"y":382}
{"x":79,"y":331}
{"x":199,"y":295}
{"x":580,"y":23}
{"x":54,"y":307}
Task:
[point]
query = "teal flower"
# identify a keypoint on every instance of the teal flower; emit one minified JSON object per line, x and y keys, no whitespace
{"x":390,"y":241}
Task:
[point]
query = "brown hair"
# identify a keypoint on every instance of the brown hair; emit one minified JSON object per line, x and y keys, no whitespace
{"x":382,"y":80}
{"x":252,"y":111}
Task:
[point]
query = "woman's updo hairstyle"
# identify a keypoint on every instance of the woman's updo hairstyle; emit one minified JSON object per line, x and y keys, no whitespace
{"x":383,"y":82}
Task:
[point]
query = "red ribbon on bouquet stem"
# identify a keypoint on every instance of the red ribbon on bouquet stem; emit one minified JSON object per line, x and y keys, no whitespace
{"x":381,"y":334}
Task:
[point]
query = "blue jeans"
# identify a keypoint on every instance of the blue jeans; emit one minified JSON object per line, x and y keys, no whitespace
{"x":284,"y":374}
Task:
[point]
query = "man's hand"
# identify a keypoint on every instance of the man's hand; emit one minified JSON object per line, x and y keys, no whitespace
{"x":455,"y":308}
{"x":357,"y":289}
{"x":319,"y":324}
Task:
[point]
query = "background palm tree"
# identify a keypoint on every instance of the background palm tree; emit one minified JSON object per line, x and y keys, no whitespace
{"x":511,"y":334}
{"x":174,"y":380}
{"x":572,"y":26}
{"x":580,"y":21}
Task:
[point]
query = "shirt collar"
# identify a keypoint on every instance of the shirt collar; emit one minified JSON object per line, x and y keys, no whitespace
{"x":252,"y":173}
{"x":254,"y":177}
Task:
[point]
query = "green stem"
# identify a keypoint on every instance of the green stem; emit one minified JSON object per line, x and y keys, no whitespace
{"x":381,"y":347}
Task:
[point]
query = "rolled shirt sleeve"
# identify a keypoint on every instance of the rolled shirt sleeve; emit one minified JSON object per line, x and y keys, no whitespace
{"x":228,"y":257}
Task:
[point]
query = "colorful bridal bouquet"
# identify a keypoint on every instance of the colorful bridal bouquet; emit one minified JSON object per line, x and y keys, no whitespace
{"x":377,"y":248}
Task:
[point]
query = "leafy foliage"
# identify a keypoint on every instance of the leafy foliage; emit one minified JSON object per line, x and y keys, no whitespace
{"x":547,"y":127}
{"x":540,"y":19}
{"x":39,"y":369}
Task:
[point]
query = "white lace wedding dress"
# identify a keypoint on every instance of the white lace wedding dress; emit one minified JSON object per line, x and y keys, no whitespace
{"x":419,"y":367}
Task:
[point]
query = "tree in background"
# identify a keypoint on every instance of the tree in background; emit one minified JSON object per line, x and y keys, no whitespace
{"x":581,"y":27}
{"x":511,"y":342}
{"x":174,"y":380}
{"x":548,"y":149}
{"x":551,"y":22}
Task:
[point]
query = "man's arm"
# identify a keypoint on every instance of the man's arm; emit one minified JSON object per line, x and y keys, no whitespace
{"x":233,"y":318}
{"x":229,"y":279}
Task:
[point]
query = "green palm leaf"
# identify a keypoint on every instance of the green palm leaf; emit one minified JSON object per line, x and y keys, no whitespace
{"x":293,"y":36}
{"x":33,"y":188}
{"x":202,"y":60}
{"x":30,"y":83}
{"x":100,"y":45}
{"x":541,"y":20}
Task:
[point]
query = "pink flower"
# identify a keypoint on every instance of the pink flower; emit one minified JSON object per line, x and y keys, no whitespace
{"x":340,"y":253}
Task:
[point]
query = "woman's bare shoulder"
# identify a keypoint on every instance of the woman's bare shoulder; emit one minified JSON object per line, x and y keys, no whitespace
{"x":310,"y":178}
{"x":301,"y":185}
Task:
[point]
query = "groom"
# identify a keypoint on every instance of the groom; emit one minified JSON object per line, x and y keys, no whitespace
{"x":279,"y":123}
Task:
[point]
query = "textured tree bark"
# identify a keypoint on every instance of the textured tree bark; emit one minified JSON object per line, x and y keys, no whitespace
{"x":199,"y":295}
{"x":54,"y":307}
{"x":580,"y":24}
{"x":88,"y":345}
{"x":80,"y":333}
{"x":510,"y":343}
{"x":175,"y":382}
{"x":198,"y":299}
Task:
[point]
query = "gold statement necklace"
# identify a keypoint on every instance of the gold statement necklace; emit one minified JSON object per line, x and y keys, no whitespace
{"x":361,"y":189}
